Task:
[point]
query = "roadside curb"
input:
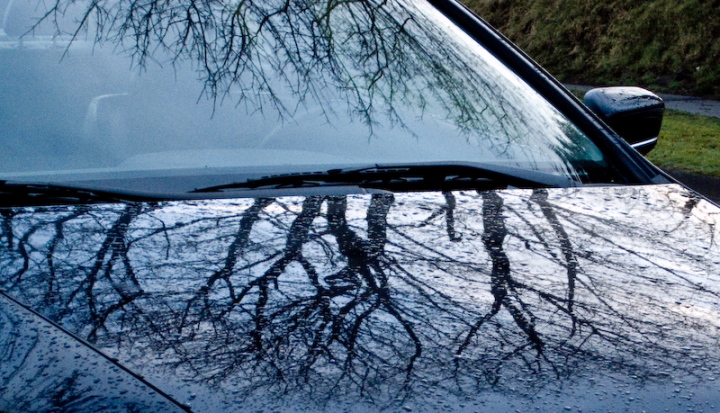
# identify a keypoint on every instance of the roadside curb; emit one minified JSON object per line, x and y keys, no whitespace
{"x":689,"y":104}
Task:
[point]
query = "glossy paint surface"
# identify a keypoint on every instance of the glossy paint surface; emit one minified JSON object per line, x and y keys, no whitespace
{"x":43,"y":369}
{"x":574,"y":299}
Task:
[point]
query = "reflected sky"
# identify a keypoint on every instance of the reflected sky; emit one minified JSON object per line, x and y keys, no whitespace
{"x":361,"y":81}
{"x":427,"y":300}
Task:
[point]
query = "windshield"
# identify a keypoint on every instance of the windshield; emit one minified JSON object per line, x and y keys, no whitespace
{"x":121,"y":89}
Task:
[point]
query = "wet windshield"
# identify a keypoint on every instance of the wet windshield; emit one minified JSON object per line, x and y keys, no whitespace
{"x":97,"y":90}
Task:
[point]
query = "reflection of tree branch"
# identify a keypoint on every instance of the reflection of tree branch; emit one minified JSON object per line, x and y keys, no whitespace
{"x":577,"y":220}
{"x":236,"y":248}
{"x":22,"y":248}
{"x":503,"y":287}
{"x":313,"y":296}
{"x":374,"y":55}
{"x":364,"y":260}
{"x":449,"y":211}
{"x":297,"y":236}
{"x":114,"y":247}
{"x":535,"y":231}
{"x":540,"y":196}
{"x":52,"y":245}
{"x":7,"y":216}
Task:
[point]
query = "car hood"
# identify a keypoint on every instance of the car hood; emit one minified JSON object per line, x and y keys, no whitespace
{"x":590,"y":298}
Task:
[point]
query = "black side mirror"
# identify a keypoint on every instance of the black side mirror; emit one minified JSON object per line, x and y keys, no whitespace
{"x":632,"y":112}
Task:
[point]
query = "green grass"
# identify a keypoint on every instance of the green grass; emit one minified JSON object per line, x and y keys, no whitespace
{"x":688,"y":142}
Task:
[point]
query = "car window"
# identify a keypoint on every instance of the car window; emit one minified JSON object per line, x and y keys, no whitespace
{"x":110,"y":87}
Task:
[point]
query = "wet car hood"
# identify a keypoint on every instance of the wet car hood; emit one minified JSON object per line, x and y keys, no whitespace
{"x":562,"y":299}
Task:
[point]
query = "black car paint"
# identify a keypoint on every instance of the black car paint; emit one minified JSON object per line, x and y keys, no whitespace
{"x":91,"y":269}
{"x":45,"y":368}
{"x":634,"y":113}
{"x":549,"y":299}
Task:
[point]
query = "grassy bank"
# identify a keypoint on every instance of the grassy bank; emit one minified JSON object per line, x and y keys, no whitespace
{"x":690,"y":143}
{"x":664,"y":45}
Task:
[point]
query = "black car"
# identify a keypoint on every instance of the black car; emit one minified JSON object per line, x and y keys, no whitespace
{"x":321,"y":205}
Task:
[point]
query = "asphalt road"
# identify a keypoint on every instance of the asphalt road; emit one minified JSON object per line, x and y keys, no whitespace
{"x":706,"y":185}
{"x":688,"y":104}
{"x":692,"y":105}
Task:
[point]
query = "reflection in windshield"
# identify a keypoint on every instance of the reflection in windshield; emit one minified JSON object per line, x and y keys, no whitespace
{"x":382,"y":300}
{"x":142,"y":83}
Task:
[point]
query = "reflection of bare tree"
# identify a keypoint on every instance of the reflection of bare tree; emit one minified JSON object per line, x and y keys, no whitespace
{"x":364,"y":298}
{"x":307,"y":41}
{"x":504,"y":289}
{"x":312,"y":322}
{"x":239,"y":243}
{"x":566,"y":248}
{"x":366,"y":266}
{"x":53,"y":244}
{"x":113,"y":253}
{"x":381,"y":58}
{"x":7,"y":215}
{"x":448,"y":210}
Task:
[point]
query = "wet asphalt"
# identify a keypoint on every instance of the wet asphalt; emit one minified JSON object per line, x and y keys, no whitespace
{"x":706,"y":185}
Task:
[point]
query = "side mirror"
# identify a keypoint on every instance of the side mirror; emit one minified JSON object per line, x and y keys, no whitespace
{"x":632,"y":112}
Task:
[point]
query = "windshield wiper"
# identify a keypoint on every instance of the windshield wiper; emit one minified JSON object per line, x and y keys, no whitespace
{"x":415,"y":176}
{"x":26,"y":194}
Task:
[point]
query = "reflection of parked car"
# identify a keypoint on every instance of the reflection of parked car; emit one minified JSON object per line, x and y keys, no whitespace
{"x":333,"y":206}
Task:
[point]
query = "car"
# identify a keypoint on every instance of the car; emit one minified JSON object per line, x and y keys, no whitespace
{"x":315,"y":205}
